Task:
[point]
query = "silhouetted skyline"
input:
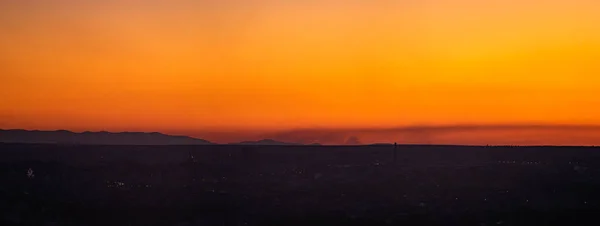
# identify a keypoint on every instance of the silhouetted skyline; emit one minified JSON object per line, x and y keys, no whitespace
{"x":527,"y":135}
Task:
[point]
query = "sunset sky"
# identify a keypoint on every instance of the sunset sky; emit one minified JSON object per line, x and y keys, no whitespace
{"x":229,"y":70}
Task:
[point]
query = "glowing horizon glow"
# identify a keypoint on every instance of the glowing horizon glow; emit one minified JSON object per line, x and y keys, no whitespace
{"x":238,"y":66}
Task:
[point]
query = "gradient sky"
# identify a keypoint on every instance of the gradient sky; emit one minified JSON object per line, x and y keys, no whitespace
{"x":240,"y":67}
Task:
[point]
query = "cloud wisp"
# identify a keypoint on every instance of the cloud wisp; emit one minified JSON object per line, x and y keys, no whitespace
{"x":449,"y":134}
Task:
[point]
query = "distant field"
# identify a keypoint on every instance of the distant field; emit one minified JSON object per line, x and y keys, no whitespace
{"x":298,"y":185}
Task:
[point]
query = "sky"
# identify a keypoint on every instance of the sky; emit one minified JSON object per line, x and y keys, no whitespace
{"x":229,"y":70}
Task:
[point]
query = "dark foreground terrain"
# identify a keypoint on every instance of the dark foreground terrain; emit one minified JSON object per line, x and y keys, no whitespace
{"x":298,"y":185}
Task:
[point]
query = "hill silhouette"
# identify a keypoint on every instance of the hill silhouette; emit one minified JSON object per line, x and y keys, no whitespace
{"x":96,"y":138}
{"x":265,"y":142}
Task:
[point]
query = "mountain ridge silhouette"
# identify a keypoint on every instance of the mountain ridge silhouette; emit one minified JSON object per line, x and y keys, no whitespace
{"x":265,"y":142}
{"x":96,"y":138}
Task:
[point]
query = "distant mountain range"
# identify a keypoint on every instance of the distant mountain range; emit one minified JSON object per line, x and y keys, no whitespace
{"x":96,"y":138}
{"x":264,"y":142}
{"x":110,"y":138}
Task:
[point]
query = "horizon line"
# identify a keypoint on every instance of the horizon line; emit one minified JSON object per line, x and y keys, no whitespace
{"x":418,"y":128}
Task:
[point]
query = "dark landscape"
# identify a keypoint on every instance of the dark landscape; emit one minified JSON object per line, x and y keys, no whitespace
{"x":299,"y":113}
{"x":74,"y":184}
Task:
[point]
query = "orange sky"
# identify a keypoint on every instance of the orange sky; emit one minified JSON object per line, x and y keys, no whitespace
{"x":196,"y":67}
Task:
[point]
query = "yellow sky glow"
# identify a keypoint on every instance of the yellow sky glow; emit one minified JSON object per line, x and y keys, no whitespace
{"x":277,"y":65}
